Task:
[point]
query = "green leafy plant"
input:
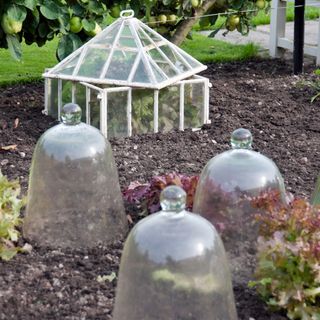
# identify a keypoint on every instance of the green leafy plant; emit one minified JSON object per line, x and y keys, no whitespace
{"x":10,"y":206}
{"x":288,"y":270}
{"x":147,"y":195}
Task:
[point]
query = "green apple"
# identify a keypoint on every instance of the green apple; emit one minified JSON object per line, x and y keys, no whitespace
{"x":172,"y":19}
{"x":233,"y":22}
{"x":162,"y":18}
{"x":195,"y":3}
{"x":152,"y":22}
{"x":10,"y":26}
{"x":260,"y":4}
{"x":75,"y":24}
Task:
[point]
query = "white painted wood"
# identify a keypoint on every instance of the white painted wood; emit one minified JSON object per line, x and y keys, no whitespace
{"x":156,"y":111}
{"x":59,"y":98}
{"x":278,"y":41}
{"x":88,"y":100}
{"x":181,"y":109}
{"x":47,"y":90}
{"x":277,"y":26}
{"x":318,"y":47}
{"x":129,"y":112}
{"x":104,"y":113}
{"x":73,"y":93}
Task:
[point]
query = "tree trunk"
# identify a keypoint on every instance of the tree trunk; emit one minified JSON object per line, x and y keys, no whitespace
{"x":186,"y":25}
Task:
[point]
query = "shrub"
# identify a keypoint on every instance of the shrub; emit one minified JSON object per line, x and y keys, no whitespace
{"x":10,"y":206}
{"x":288,"y":270}
{"x":147,"y":195}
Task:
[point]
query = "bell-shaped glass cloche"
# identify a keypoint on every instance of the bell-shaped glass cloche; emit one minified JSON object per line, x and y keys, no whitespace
{"x":227,"y":186}
{"x":174,"y":267}
{"x":74,"y":197}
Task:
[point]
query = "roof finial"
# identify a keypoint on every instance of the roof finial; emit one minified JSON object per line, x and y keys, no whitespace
{"x":126,"y":14}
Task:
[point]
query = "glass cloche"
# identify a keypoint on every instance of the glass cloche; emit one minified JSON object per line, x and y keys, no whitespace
{"x":174,"y":267}
{"x":227,"y":185}
{"x":74,"y":197}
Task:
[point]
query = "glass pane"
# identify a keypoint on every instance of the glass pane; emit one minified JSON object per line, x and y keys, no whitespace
{"x":141,"y":74}
{"x":144,"y":40}
{"x":126,"y":31}
{"x":80,"y":99}
{"x":127,"y":42}
{"x":193,"y":105}
{"x":52,"y":92}
{"x":193,"y":63}
{"x":158,"y":58}
{"x":68,"y":67}
{"x":117,"y":114}
{"x":108,"y":38}
{"x":121,"y":65}
{"x":169,"y":107}
{"x":94,"y":104}
{"x":154,"y":36}
{"x":93,"y":63}
{"x":156,"y":55}
{"x":66,"y":92}
{"x":174,"y":58}
{"x":142,"y":110}
{"x":159,"y":76}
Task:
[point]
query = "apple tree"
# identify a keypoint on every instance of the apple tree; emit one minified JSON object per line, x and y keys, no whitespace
{"x":76,"y":21}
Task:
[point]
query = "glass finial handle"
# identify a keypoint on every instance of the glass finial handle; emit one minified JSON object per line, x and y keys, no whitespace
{"x":241,"y":139}
{"x":173,"y":198}
{"x":71,"y":114}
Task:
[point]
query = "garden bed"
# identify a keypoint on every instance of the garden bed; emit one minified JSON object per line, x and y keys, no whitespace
{"x":261,"y":95}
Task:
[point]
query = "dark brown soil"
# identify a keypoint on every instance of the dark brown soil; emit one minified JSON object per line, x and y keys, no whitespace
{"x":261,"y":95}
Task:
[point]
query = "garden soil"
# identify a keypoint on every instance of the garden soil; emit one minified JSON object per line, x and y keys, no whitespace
{"x":261,"y":95}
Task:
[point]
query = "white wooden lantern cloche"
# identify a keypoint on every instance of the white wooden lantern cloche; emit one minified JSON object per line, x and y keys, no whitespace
{"x":130,"y":80}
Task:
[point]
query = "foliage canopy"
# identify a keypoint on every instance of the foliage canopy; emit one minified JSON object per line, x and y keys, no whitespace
{"x":76,"y":21}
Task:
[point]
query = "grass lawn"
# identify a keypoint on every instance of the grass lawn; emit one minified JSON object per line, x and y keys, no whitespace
{"x":210,"y":50}
{"x":36,"y":59}
{"x":33,"y":64}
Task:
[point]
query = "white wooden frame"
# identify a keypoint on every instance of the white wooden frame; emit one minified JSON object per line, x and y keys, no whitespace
{"x":278,"y":42}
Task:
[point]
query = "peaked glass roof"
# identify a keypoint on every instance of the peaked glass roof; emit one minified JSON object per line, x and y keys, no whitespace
{"x":128,"y":53}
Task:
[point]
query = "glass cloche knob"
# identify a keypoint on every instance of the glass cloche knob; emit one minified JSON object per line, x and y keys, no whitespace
{"x":241,"y":139}
{"x":173,"y":198}
{"x":71,"y":114}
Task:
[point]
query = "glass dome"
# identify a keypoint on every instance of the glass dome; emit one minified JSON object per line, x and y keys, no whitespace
{"x":174,"y":267}
{"x":227,"y":185}
{"x":74,"y":197}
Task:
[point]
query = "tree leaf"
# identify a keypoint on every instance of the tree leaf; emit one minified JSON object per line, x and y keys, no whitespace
{"x":17,"y":13}
{"x":68,"y":44}
{"x":50,"y":10}
{"x":88,"y":25}
{"x":30,"y":4}
{"x":96,"y":7}
{"x":14,"y":46}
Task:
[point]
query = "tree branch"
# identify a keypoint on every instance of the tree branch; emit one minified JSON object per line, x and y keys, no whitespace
{"x":186,"y":25}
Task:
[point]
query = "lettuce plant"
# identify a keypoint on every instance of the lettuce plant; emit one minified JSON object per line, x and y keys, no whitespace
{"x":288,"y":269}
{"x":147,"y":195}
{"x":10,"y":206}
